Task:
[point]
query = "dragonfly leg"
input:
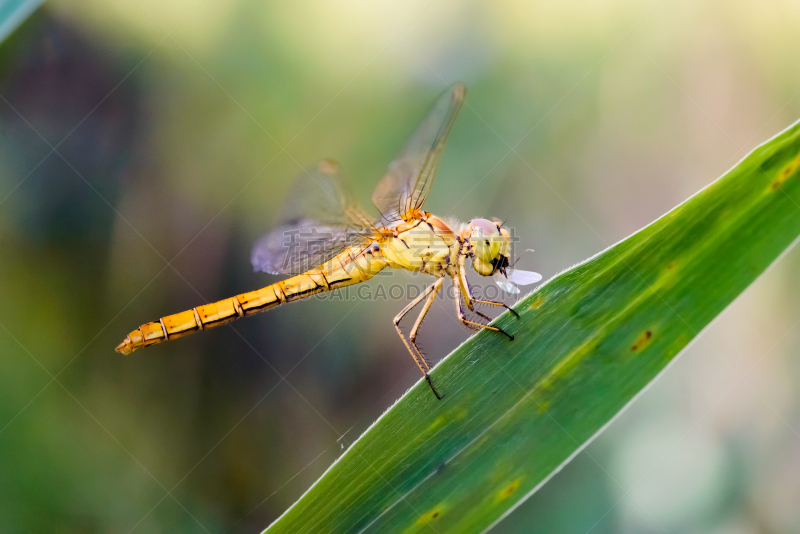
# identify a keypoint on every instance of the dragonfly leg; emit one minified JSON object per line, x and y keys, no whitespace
{"x":431,"y":297}
{"x":493,"y":303}
{"x":473,"y":328}
{"x":412,"y":347}
{"x":479,"y":314}
{"x":469,"y":298}
{"x":467,"y":292}
{"x":463,"y":318}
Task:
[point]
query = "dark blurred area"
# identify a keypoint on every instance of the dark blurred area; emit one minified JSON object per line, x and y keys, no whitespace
{"x":144,"y":147}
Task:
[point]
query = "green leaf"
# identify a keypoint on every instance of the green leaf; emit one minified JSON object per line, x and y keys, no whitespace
{"x":13,"y":12}
{"x":587,"y":343}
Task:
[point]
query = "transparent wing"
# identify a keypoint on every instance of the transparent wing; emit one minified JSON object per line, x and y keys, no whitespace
{"x":409,"y":179}
{"x":319,"y":221}
{"x":508,"y":282}
{"x":523,"y":278}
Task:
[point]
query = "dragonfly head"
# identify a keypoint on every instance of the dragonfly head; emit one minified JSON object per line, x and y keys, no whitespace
{"x":490,"y":246}
{"x":491,"y":253}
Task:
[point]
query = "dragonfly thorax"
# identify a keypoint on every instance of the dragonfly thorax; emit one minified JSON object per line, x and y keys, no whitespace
{"x":428,"y":245}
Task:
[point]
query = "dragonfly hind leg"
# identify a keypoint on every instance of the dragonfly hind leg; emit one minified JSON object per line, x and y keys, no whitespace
{"x":434,"y":290}
{"x":410,"y":343}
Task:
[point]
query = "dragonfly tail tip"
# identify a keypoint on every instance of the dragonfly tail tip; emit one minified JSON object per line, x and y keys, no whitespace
{"x":125,"y":347}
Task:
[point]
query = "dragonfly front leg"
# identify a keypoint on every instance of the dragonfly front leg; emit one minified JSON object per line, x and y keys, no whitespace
{"x":419,"y":359}
{"x":469,"y":298}
{"x":462,"y":278}
{"x":462,"y":317}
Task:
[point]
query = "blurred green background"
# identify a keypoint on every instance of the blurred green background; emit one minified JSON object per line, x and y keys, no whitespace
{"x":177,"y":129}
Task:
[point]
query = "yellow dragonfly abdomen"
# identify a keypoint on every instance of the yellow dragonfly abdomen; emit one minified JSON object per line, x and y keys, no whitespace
{"x":352,"y":266}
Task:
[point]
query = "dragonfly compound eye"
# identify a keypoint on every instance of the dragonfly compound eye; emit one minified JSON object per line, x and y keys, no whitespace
{"x":486,"y":240}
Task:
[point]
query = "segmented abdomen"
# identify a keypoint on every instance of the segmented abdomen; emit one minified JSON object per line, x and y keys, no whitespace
{"x":350,"y":267}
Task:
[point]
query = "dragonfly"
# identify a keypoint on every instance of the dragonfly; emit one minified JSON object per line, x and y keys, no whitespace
{"x":326,"y":241}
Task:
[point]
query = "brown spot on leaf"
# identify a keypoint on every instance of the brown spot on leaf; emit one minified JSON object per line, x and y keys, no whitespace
{"x":786,"y":174}
{"x":536,"y":304}
{"x":507,"y":491}
{"x":431,"y":515}
{"x":642,"y":341}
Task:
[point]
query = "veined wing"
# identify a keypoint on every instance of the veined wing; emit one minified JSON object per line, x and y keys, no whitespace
{"x":319,"y":221}
{"x":406,"y":184}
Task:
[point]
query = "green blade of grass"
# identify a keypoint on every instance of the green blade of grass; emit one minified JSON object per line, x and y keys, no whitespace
{"x":587,"y":342}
